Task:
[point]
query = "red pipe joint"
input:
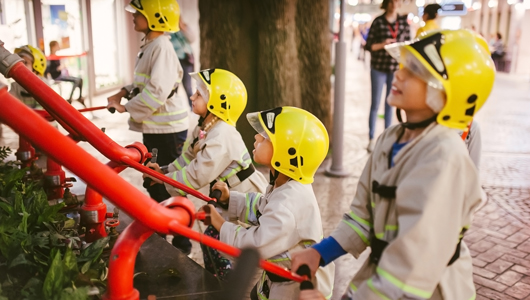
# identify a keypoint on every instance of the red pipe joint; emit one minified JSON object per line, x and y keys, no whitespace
{"x":54,"y":179}
{"x":25,"y":152}
{"x":122,"y":258}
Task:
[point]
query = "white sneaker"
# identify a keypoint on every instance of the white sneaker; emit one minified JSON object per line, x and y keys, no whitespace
{"x":371,"y":146}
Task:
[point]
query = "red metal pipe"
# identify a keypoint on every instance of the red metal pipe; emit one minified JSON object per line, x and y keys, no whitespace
{"x":122,"y":258}
{"x":68,"y":116}
{"x":135,"y":165}
{"x":46,"y":115}
{"x":94,"y":210}
{"x":66,"y":152}
{"x":232,"y":251}
{"x":133,"y":202}
{"x":54,"y":179}
{"x":25,"y":152}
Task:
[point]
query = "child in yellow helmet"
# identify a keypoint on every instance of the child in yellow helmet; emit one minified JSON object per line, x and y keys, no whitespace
{"x":215,"y":151}
{"x":292,"y":143}
{"x":34,"y":60}
{"x":418,"y":191}
{"x":154,"y":106}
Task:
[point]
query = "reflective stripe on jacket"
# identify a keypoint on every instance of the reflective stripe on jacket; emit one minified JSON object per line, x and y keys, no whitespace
{"x":156,"y":75}
{"x":437,"y":192}
{"x":218,"y":155}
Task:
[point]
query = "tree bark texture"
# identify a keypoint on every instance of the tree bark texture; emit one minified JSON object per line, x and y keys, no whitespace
{"x":279,"y":49}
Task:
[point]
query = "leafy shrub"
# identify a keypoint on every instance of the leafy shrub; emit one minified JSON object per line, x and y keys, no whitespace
{"x":40,"y":250}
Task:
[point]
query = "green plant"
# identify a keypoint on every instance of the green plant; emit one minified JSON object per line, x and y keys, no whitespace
{"x":40,"y":250}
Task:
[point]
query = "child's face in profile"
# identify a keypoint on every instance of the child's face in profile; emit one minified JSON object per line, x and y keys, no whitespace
{"x":262,"y":150}
{"x":198,"y":104}
{"x":408,"y":91}
{"x":140,"y":22}
{"x":28,"y":61}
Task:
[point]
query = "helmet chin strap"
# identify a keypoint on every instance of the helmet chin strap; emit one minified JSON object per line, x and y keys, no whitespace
{"x":273,"y":176}
{"x":201,"y":119}
{"x":417,"y":125}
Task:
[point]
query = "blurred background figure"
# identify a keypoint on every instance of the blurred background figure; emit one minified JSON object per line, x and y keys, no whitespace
{"x":497,"y":50}
{"x":58,"y":72}
{"x":364,"y":29}
{"x":430,"y":12}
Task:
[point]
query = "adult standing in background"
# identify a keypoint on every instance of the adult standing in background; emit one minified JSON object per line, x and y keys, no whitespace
{"x":430,"y":12}
{"x":386,"y":29}
{"x":181,"y":41}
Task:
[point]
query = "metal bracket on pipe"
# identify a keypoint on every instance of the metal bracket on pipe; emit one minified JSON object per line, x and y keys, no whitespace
{"x":7,"y":60}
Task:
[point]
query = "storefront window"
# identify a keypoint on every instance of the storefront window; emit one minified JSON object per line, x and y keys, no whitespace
{"x":105,"y":43}
{"x":61,"y":22}
{"x":13,"y":26}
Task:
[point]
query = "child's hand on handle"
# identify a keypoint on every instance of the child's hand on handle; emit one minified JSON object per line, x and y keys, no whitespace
{"x":309,"y":257}
{"x":116,"y":106}
{"x":155,"y":167}
{"x":215,"y":218}
{"x":225,"y":192}
{"x":311,"y":295}
{"x":114,"y":102}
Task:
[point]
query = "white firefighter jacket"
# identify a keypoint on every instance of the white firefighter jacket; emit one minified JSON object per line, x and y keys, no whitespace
{"x":156,"y":74}
{"x":219,"y":154}
{"x":21,"y":94}
{"x":437,"y":189}
{"x":283,"y":220}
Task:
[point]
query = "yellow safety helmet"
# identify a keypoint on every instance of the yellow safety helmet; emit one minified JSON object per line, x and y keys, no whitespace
{"x":39,"y":60}
{"x":224,"y":92}
{"x":456,"y":62}
{"x":299,"y":139}
{"x":161,"y":15}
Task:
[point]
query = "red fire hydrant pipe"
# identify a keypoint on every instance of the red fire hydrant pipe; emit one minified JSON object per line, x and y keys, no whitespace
{"x":94,"y":210}
{"x":135,"y":165}
{"x":103,"y":179}
{"x":68,"y":116}
{"x":232,"y":251}
{"x":121,"y":264}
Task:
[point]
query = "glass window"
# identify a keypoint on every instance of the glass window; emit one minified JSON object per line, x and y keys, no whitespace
{"x":13,"y":26}
{"x":105,"y":43}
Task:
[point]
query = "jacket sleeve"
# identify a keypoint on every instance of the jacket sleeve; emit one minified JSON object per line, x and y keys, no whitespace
{"x":353,"y":232}
{"x":209,"y":162}
{"x":187,"y":156}
{"x":244,"y":206}
{"x":429,"y":205}
{"x":162,"y":80}
{"x":274,"y":235}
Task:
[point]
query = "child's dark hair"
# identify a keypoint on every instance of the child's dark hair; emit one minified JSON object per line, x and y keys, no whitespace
{"x":499,"y":35}
{"x":431,"y":11}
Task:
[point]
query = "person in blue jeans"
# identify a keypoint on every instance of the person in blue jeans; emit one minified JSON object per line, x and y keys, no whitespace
{"x":386,"y":29}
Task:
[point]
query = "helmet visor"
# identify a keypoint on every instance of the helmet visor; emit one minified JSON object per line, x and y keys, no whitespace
{"x":201,"y":86}
{"x":253,"y":120}
{"x":401,"y":53}
{"x":130,"y":8}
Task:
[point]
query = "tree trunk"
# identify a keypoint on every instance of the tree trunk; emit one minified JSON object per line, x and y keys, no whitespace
{"x":313,"y":39}
{"x":279,"y":49}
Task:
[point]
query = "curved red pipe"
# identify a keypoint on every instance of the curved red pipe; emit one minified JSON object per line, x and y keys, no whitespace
{"x":101,"y":178}
{"x":73,"y":121}
{"x":122,"y":258}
